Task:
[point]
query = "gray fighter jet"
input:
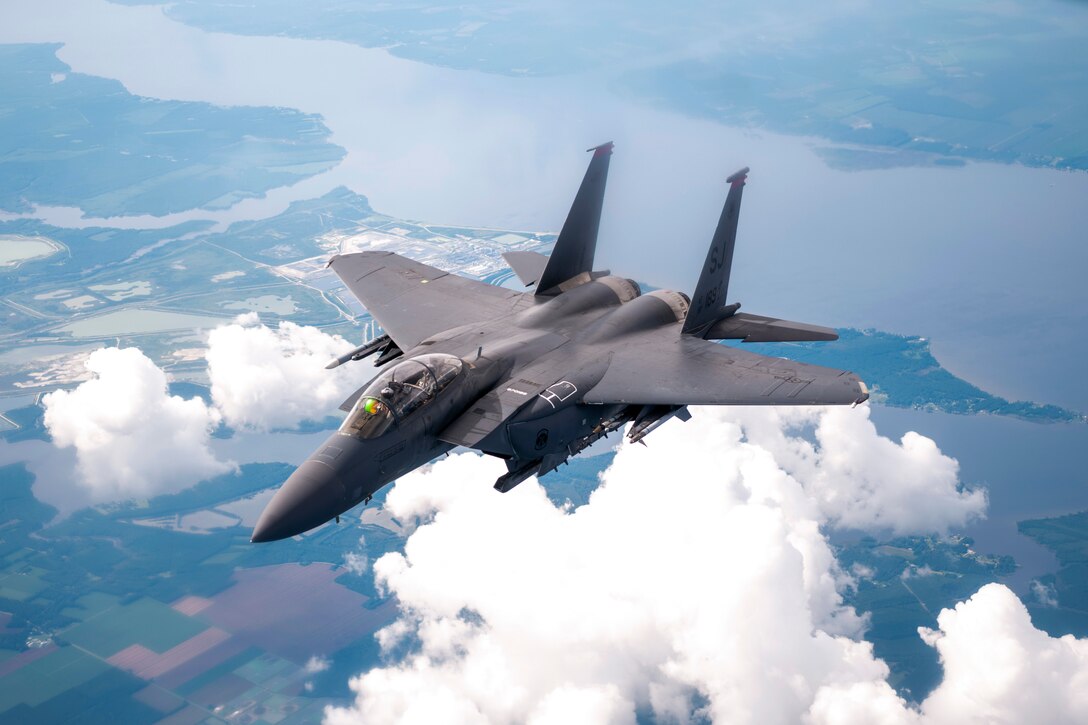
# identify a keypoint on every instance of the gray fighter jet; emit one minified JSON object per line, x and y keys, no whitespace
{"x":536,"y":377}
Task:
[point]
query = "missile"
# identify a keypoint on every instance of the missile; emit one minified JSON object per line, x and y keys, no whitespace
{"x":361,"y":352}
{"x":652,"y":417}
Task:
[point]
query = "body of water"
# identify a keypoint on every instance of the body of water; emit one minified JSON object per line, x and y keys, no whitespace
{"x":15,"y":249}
{"x":985,"y":259}
{"x":1030,"y":470}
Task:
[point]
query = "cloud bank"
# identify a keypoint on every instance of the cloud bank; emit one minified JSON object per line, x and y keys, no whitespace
{"x":860,"y":479}
{"x":695,"y":585}
{"x":264,"y":378}
{"x":131,"y":437}
{"x":999,"y":668}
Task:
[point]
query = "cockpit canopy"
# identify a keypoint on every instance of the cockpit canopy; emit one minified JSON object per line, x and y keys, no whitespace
{"x":399,"y":392}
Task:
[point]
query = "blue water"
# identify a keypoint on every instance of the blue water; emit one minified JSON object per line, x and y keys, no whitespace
{"x":1030,"y":470}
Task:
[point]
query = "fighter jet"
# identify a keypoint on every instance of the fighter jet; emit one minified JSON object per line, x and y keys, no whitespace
{"x":536,"y":377}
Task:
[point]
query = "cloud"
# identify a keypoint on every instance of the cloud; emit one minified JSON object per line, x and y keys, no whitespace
{"x":695,"y":584}
{"x":858,"y":478}
{"x":1045,"y":594}
{"x":357,"y":561}
{"x":264,"y":378}
{"x":999,"y":668}
{"x":695,"y":579}
{"x":317,"y":664}
{"x":132,"y":438}
{"x":566,"y":704}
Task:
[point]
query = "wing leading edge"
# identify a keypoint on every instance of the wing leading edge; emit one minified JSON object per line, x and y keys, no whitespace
{"x":413,"y":301}
{"x":663,"y":368}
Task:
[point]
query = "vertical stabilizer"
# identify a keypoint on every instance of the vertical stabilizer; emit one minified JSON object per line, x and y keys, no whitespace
{"x":708,"y":302}
{"x":573,"y":252}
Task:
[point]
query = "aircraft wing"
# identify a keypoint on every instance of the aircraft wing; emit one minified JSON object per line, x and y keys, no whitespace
{"x":661,"y":367}
{"x":413,"y":301}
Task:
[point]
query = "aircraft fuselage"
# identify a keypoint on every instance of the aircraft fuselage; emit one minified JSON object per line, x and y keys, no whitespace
{"x":536,"y":377}
{"x":350,"y":466}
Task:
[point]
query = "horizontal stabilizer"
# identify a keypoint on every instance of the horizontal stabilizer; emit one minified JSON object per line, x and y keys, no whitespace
{"x":528,"y":266}
{"x":757,"y":328}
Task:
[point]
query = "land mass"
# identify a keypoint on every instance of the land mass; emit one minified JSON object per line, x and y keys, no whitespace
{"x":69,"y":139}
{"x":100,"y":597}
{"x":1061,"y":605}
{"x":912,"y":84}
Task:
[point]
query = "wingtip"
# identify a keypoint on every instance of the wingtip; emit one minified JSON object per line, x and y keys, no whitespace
{"x":864,"y":394}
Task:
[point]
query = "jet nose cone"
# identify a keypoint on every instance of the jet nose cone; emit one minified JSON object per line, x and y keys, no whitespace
{"x":311,"y":496}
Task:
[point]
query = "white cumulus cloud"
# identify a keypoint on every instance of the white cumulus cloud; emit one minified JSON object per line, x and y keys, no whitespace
{"x":999,"y":668}
{"x":357,"y":561}
{"x":695,"y":584}
{"x":858,"y":478}
{"x":131,"y":437}
{"x":264,"y":378}
{"x":1045,"y":594}
{"x":696,"y":577}
{"x":317,"y":664}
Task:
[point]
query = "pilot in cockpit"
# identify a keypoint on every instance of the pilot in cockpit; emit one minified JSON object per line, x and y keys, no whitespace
{"x":399,"y":392}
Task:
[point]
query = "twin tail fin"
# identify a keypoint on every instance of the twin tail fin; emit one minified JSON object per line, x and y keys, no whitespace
{"x":708,"y":303}
{"x":577,"y":243}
